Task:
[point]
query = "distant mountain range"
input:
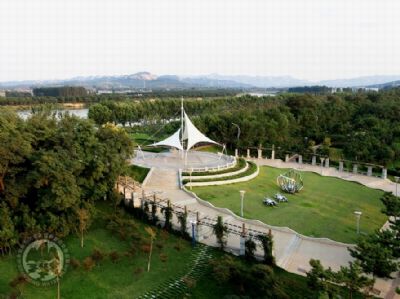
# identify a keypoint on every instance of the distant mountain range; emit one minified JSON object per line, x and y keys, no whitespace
{"x":148,"y":80}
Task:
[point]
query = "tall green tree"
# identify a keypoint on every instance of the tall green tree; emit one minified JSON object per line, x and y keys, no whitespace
{"x":267,"y":244}
{"x":220,"y":230}
{"x":354,"y":280}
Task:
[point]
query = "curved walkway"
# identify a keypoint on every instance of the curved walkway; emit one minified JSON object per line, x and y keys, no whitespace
{"x":292,"y":250}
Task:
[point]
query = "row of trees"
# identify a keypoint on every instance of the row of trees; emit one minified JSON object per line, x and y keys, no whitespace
{"x":62,"y":91}
{"x":52,"y":171}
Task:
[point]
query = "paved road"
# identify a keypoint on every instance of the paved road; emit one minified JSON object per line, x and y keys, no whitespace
{"x":292,"y":250}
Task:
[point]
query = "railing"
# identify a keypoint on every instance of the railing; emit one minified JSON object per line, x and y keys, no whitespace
{"x":231,"y":163}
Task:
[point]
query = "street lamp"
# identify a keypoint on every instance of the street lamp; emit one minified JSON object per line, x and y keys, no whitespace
{"x":396,"y":178}
{"x":238,"y":134}
{"x":358,"y":216}
{"x":242,"y":192}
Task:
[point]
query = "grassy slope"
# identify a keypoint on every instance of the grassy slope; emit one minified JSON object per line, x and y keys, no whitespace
{"x":137,"y":173}
{"x":324,"y":208}
{"x":108,"y":280}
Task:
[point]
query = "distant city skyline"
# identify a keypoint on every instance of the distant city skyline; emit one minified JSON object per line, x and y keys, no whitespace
{"x":306,"y":39}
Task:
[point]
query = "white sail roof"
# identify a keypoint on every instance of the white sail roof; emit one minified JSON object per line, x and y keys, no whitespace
{"x":172,"y":141}
{"x":193,"y":135}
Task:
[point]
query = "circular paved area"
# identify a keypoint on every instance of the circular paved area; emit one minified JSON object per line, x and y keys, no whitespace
{"x":174,"y":161}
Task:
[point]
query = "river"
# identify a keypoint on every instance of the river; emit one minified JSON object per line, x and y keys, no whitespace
{"x":82,"y":112}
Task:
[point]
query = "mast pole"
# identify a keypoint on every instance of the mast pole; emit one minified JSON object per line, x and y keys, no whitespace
{"x":182,"y":126}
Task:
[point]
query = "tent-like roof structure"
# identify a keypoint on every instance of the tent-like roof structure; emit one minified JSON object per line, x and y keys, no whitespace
{"x":171,"y":141}
{"x":190,"y":135}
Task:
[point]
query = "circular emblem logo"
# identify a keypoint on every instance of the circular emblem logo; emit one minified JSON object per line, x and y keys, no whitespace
{"x":43,"y":259}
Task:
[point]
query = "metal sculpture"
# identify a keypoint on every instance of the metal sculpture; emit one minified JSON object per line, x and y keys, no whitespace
{"x":290,"y":182}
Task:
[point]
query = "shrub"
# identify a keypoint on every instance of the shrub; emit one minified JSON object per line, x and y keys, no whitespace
{"x":97,"y":255}
{"x":75,"y":264}
{"x":114,"y":256}
{"x":163,"y":257}
{"x":138,"y":271}
{"x":178,"y":246}
{"x":88,"y":263}
{"x":18,"y":281}
{"x":145,"y":248}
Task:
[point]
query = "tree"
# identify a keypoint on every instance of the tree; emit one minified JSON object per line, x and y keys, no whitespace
{"x":167,"y":210}
{"x":15,"y":145}
{"x":220,"y":230}
{"x":84,"y":217}
{"x":100,"y":114}
{"x":56,"y":268}
{"x":152,"y":235}
{"x":8,"y":233}
{"x":154,"y":218}
{"x":392,"y":209}
{"x":374,"y":258}
{"x":182,"y":218}
{"x":250,"y":248}
{"x":353,"y":279}
{"x":267,"y":244}
{"x":320,"y":280}
{"x":252,"y":281}
{"x":392,"y":205}
{"x":52,"y":167}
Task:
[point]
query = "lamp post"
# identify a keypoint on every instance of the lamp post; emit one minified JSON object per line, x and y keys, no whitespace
{"x":193,"y":222}
{"x":242,"y":192}
{"x":358,"y":216}
{"x":396,"y":178}
{"x":238,"y":134}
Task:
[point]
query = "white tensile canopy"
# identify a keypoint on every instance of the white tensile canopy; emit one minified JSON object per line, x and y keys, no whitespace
{"x":191,"y":135}
{"x":171,"y":141}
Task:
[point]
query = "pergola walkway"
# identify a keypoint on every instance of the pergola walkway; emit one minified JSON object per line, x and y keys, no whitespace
{"x":292,"y":250}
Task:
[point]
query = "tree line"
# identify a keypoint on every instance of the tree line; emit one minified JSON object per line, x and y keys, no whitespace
{"x":52,"y":171}
{"x":365,"y":127}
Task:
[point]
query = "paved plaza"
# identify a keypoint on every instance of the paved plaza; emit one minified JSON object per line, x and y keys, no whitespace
{"x":173,"y":160}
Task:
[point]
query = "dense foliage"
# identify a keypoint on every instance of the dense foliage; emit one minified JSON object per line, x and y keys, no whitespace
{"x":364,"y":126}
{"x":15,"y":97}
{"x":62,"y":91}
{"x":52,"y":170}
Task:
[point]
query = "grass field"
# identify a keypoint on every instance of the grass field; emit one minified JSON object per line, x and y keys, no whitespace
{"x":324,"y":208}
{"x":126,"y":278}
{"x":138,"y":173}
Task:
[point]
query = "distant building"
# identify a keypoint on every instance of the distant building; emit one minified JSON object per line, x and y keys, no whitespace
{"x":357,"y":89}
{"x":2,"y":93}
{"x":104,"y":92}
{"x":336,"y":89}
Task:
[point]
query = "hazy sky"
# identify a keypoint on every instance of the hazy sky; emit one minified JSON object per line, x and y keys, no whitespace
{"x":309,"y":39}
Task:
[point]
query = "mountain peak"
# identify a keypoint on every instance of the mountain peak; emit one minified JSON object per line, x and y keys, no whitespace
{"x":147,"y":76}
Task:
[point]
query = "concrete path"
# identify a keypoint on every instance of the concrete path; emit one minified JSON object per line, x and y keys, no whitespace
{"x":292,"y":251}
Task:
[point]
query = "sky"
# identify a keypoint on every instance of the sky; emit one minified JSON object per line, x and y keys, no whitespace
{"x":307,"y":39}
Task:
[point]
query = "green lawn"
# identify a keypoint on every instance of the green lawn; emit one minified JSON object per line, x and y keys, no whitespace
{"x":137,"y":173}
{"x":125,"y":279}
{"x":324,"y":208}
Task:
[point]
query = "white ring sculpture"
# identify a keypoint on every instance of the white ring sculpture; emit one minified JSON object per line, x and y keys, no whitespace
{"x":290,"y":182}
